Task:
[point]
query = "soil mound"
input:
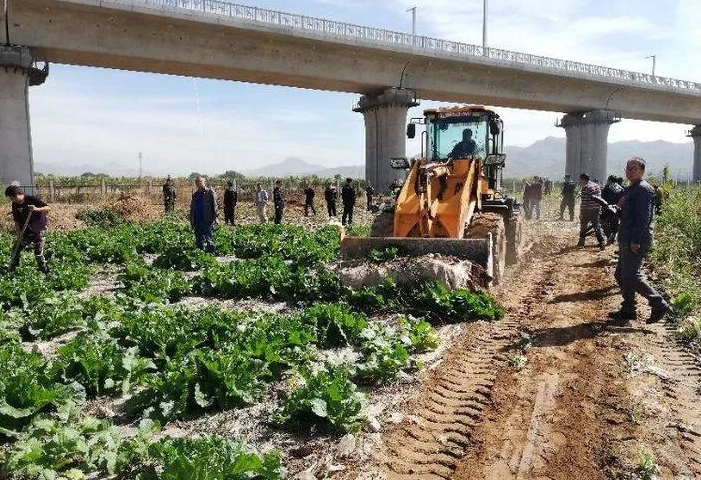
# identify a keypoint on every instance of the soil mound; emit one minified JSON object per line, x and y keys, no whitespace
{"x":130,"y":207}
{"x":450,"y":271}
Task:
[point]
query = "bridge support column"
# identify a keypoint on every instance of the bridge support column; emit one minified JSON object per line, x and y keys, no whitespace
{"x":385,"y":133}
{"x":695,"y":134}
{"x":17,"y":73}
{"x":587,"y":142}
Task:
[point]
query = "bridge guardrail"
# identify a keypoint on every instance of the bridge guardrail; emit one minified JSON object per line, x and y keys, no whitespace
{"x":381,"y":35}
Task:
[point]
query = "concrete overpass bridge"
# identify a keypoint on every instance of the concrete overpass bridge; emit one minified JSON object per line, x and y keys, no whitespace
{"x":391,"y":70}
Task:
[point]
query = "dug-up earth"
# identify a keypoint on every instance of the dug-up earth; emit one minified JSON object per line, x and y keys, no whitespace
{"x":551,"y":392}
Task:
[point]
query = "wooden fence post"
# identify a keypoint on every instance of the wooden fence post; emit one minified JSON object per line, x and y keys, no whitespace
{"x":52,"y":192}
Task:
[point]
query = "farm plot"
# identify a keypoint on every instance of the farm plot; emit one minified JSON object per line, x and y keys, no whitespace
{"x":128,"y":381}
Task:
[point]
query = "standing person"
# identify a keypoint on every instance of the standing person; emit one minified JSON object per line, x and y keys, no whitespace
{"x":231,"y":197}
{"x":309,"y":195}
{"x":568,"y":194}
{"x":536,"y":196}
{"x":635,"y":238}
{"x":203,"y":215}
{"x":261,"y":202}
{"x":278,"y":202}
{"x":29,"y":215}
{"x":331,"y":195}
{"x":589,"y":211}
{"x":169,"y":195}
{"x":528,"y":199}
{"x":348,"y":198}
{"x":369,"y":192}
{"x":612,"y":193}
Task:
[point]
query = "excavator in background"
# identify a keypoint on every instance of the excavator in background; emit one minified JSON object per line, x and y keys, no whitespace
{"x":451,"y":202}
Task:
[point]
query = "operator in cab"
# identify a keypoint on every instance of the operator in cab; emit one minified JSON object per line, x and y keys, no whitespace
{"x":464,"y":148}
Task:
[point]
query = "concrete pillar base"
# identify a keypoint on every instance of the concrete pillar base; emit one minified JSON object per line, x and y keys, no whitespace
{"x":587,"y":142}
{"x":695,"y":134}
{"x":385,"y":133}
{"x":17,"y":73}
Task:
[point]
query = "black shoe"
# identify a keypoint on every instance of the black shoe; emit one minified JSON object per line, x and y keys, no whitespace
{"x":658,"y":313}
{"x":623,"y":314}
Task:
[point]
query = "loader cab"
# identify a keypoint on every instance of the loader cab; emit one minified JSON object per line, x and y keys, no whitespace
{"x":462,"y":132}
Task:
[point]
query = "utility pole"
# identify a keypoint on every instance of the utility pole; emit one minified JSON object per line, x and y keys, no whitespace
{"x":7,"y":21}
{"x":484,"y":27}
{"x":141,"y":166}
{"x":413,"y":20}
{"x":654,"y":62}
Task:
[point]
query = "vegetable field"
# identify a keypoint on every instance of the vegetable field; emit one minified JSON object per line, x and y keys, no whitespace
{"x":156,"y":357}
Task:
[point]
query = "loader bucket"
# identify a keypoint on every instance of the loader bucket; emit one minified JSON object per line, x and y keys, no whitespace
{"x":477,"y":251}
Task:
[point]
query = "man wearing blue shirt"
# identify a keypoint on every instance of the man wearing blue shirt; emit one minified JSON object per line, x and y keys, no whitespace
{"x":635,"y":236}
{"x":203,"y":215}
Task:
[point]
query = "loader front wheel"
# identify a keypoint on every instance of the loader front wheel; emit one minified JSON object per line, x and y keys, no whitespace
{"x":481,"y":225}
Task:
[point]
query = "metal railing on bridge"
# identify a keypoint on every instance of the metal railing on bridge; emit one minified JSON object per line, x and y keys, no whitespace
{"x":374,"y":35}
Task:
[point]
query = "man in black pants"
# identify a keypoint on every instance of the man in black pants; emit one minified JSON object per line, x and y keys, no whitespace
{"x":330,"y":195}
{"x":635,"y":236}
{"x":589,"y":211}
{"x":309,"y":195}
{"x":568,"y":194}
{"x":348,"y":198}
{"x":231,"y":196}
{"x":278,"y":202}
{"x":29,"y":211}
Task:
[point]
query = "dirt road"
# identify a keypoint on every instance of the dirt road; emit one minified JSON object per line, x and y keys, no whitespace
{"x":553,"y":391}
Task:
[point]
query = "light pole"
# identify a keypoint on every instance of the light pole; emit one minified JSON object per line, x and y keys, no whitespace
{"x":654,"y":62}
{"x":413,"y":20}
{"x":484,"y":27}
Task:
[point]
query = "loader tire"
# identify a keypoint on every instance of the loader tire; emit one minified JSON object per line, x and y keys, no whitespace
{"x":513,"y":241}
{"x":383,"y":225}
{"x":481,"y":225}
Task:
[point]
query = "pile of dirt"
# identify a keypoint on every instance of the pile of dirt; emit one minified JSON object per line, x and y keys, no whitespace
{"x":131,"y":207}
{"x":407,"y":271}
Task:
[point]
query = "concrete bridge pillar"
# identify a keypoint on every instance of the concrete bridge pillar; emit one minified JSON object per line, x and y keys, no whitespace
{"x":587,"y":142}
{"x":17,"y":73}
{"x":695,"y":134}
{"x":385,"y":133}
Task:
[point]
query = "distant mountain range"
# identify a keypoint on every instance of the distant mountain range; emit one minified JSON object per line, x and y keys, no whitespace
{"x":545,"y":157}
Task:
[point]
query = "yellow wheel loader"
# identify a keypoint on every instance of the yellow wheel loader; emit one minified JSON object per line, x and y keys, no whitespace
{"x":451,"y":201}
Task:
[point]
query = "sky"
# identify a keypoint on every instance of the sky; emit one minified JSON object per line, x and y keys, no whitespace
{"x":93,"y":116}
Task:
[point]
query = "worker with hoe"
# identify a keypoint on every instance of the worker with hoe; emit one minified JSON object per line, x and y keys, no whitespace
{"x":309,"y":195}
{"x":231,"y":196}
{"x":635,"y":237}
{"x":589,"y":211}
{"x":169,"y":195}
{"x":261,"y":202}
{"x":331,"y":195}
{"x":278,"y":202}
{"x":29,"y":215}
{"x":568,"y":194}
{"x":203,"y":215}
{"x":348,"y":198}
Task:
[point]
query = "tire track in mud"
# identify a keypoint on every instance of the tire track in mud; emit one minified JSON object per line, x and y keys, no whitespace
{"x":430,"y":444}
{"x":680,"y":374}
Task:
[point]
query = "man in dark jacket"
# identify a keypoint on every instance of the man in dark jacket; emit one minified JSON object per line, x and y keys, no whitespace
{"x":331,"y":195}
{"x":369,"y":192}
{"x":309,"y":195}
{"x":29,"y":215}
{"x":568,"y":194}
{"x":612,"y":193}
{"x":169,"y":195}
{"x":278,"y":202}
{"x":203,"y":215}
{"x":635,"y":237}
{"x":590,"y":211}
{"x":231,"y":196}
{"x":348,"y":198}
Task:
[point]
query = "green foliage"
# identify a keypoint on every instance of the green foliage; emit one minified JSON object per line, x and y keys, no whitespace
{"x":418,"y":335}
{"x":153,"y":285}
{"x":357,"y":230}
{"x":184,"y":258}
{"x":335,"y":324}
{"x":327,"y":397}
{"x":384,"y":254}
{"x":384,"y":355}
{"x":436,"y":301}
{"x":26,"y":389}
{"x":101,"y":217}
